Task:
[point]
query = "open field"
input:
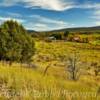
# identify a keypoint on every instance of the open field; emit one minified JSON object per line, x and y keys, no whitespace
{"x":22,"y":83}
{"x":49,"y":49}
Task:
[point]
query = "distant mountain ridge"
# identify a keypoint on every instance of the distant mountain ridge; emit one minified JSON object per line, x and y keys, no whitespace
{"x":76,"y":29}
{"x":79,"y":29}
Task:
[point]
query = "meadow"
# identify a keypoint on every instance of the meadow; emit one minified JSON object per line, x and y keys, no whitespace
{"x":19,"y":82}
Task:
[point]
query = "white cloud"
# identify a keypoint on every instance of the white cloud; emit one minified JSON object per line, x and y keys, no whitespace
{"x":89,"y":6}
{"x":56,"y":5}
{"x":47,"y":20}
{"x":14,"y":14}
{"x":96,"y":16}
{"x":40,"y":24}
{"x":37,"y":26}
{"x":97,"y":23}
{"x":40,"y":27}
{"x":44,"y":23}
{"x":8,"y":2}
{"x":2,"y":19}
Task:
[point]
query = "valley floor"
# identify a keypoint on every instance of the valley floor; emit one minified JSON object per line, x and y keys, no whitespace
{"x":23,"y":83}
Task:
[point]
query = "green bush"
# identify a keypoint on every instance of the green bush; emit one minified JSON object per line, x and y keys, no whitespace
{"x":15,"y":43}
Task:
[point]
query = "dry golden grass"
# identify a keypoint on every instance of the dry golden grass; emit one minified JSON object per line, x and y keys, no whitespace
{"x":21,"y":83}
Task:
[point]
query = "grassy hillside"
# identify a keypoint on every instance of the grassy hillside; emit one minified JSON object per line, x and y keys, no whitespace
{"x":23,"y":83}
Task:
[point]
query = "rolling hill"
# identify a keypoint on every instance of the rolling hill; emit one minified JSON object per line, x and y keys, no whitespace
{"x":76,"y":29}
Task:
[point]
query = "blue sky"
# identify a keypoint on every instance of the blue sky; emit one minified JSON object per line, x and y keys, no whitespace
{"x":42,"y":15}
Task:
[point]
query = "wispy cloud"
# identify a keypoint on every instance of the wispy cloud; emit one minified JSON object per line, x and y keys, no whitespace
{"x":2,"y":19}
{"x":46,"y":20}
{"x":96,"y":16}
{"x":44,"y":23}
{"x":38,"y":22}
{"x":18,"y":15}
{"x":97,"y":23}
{"x":89,"y":6}
{"x":40,"y":27}
{"x":7,"y":3}
{"x":56,"y":5}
